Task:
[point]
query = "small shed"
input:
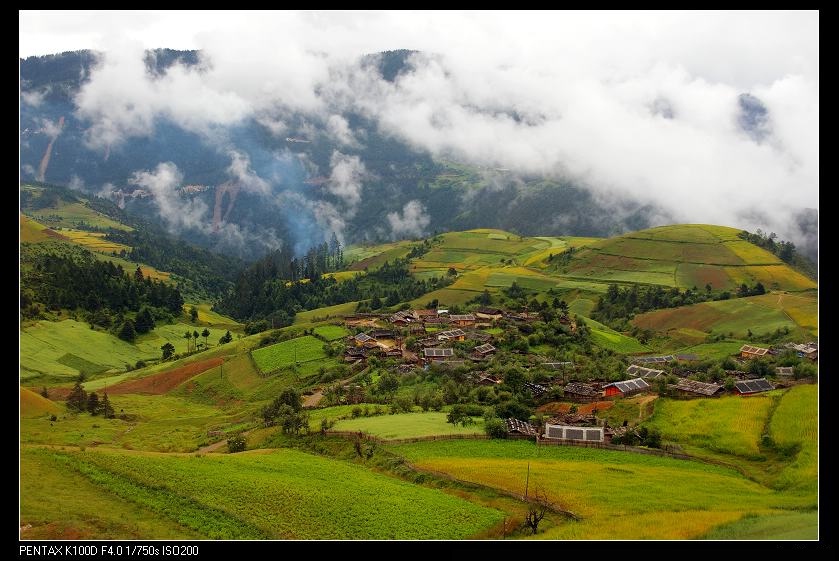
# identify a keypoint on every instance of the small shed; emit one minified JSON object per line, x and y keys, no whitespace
{"x":362,"y":338}
{"x":451,"y":334}
{"x":437,"y":355}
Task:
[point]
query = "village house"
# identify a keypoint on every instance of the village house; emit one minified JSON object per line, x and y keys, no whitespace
{"x":750,"y":352}
{"x":484,"y":351}
{"x":749,"y":387}
{"x":515,"y":427}
{"x":462,"y":320}
{"x":577,"y":391}
{"x":451,"y":335}
{"x":425,"y":315}
{"x":691,"y":388}
{"x":362,"y":339}
{"x":436,"y":355}
{"x":643,"y":372}
{"x":805,"y":350}
{"x":653,"y":359}
{"x":536,"y":390}
{"x":627,"y":387}
{"x":484,"y":379}
{"x":489,"y":314}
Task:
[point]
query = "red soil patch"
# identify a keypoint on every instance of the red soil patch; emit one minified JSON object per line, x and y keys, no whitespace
{"x":556,"y":407}
{"x":163,"y":382}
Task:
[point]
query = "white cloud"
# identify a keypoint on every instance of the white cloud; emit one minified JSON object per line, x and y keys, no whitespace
{"x":411,"y":223}
{"x":560,"y":94}
{"x":345,"y":179}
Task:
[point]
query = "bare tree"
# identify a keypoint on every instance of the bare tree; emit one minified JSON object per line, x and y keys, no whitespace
{"x":537,"y":507}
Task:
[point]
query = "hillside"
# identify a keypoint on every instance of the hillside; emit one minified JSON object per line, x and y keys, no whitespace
{"x":684,"y":256}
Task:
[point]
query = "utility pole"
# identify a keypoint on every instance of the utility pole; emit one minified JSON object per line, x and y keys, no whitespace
{"x":527,"y":481}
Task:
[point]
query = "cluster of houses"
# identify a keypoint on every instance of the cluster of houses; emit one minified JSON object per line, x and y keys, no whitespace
{"x":436,"y":331}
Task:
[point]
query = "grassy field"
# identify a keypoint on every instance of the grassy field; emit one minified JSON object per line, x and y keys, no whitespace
{"x":717,"y":351}
{"x":71,"y":215}
{"x":608,"y":338}
{"x":331,"y":332}
{"x":94,"y":241}
{"x":760,"y":314}
{"x":35,"y":405}
{"x":408,"y":425}
{"x":730,"y":424}
{"x":282,"y":494}
{"x":60,"y":503}
{"x":783,"y":526}
{"x":676,"y":500}
{"x":794,"y":428}
{"x":287,"y":353}
{"x":339,"y":310}
{"x":685,"y":255}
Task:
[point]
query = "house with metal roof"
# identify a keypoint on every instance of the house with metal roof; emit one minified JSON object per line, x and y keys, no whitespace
{"x":644,"y":372}
{"x":695,"y":387}
{"x":627,"y":387}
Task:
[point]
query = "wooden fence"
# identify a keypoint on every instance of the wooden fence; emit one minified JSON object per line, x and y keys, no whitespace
{"x":355,"y":434}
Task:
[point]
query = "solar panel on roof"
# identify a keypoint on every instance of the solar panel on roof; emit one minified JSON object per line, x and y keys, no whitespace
{"x":555,"y":432}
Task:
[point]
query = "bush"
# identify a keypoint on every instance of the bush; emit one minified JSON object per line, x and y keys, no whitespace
{"x":236,"y":444}
{"x":495,"y":428}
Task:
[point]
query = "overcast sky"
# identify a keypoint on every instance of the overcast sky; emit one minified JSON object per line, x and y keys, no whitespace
{"x":637,"y":103}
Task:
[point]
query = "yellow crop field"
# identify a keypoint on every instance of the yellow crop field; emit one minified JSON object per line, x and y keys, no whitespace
{"x":94,"y":241}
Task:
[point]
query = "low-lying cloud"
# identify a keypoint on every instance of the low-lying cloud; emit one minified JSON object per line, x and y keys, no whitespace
{"x":648,"y":106}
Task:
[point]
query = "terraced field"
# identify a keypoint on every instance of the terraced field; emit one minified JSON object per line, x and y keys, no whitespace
{"x":285,"y":354}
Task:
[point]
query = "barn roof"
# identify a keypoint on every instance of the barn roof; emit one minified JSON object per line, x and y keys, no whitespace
{"x":753,"y":386}
{"x":451,"y":334}
{"x":490,"y":311}
{"x":462,"y":317}
{"x":581,"y":389}
{"x":634,"y":385}
{"x":753,"y":350}
{"x":653,"y":359}
{"x":429,"y":353}
{"x":362,"y":338}
{"x":643,"y":372}
{"x":536,"y":389}
{"x":784,"y":371}
{"x":694,"y":386}
{"x":520,"y":427}
{"x":484,"y":349}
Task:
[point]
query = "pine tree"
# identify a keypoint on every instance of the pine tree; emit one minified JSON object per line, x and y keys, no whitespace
{"x":144,"y":321}
{"x":127,"y":331}
{"x":205,"y":334}
{"x":77,"y":400}
{"x":226,"y":338}
{"x":168,"y":350}
{"x":105,"y":407}
{"x":93,"y":404}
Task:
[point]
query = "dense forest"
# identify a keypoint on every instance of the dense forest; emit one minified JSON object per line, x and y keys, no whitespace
{"x":276,"y":287}
{"x":104,"y":290}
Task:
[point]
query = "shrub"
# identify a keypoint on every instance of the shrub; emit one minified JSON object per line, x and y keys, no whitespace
{"x":236,"y":443}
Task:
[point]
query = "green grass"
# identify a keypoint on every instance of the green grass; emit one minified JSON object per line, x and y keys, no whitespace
{"x":69,"y":215}
{"x":784,"y":526}
{"x":339,"y":310}
{"x":794,"y":428}
{"x":619,"y":495}
{"x":730,"y":424}
{"x":60,"y":503}
{"x":408,"y":425}
{"x":283,"y":494}
{"x":281,"y":355}
{"x":608,"y":338}
{"x":163,"y":423}
{"x":331,"y":332}
{"x":760,"y":314}
{"x":716,"y":351}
